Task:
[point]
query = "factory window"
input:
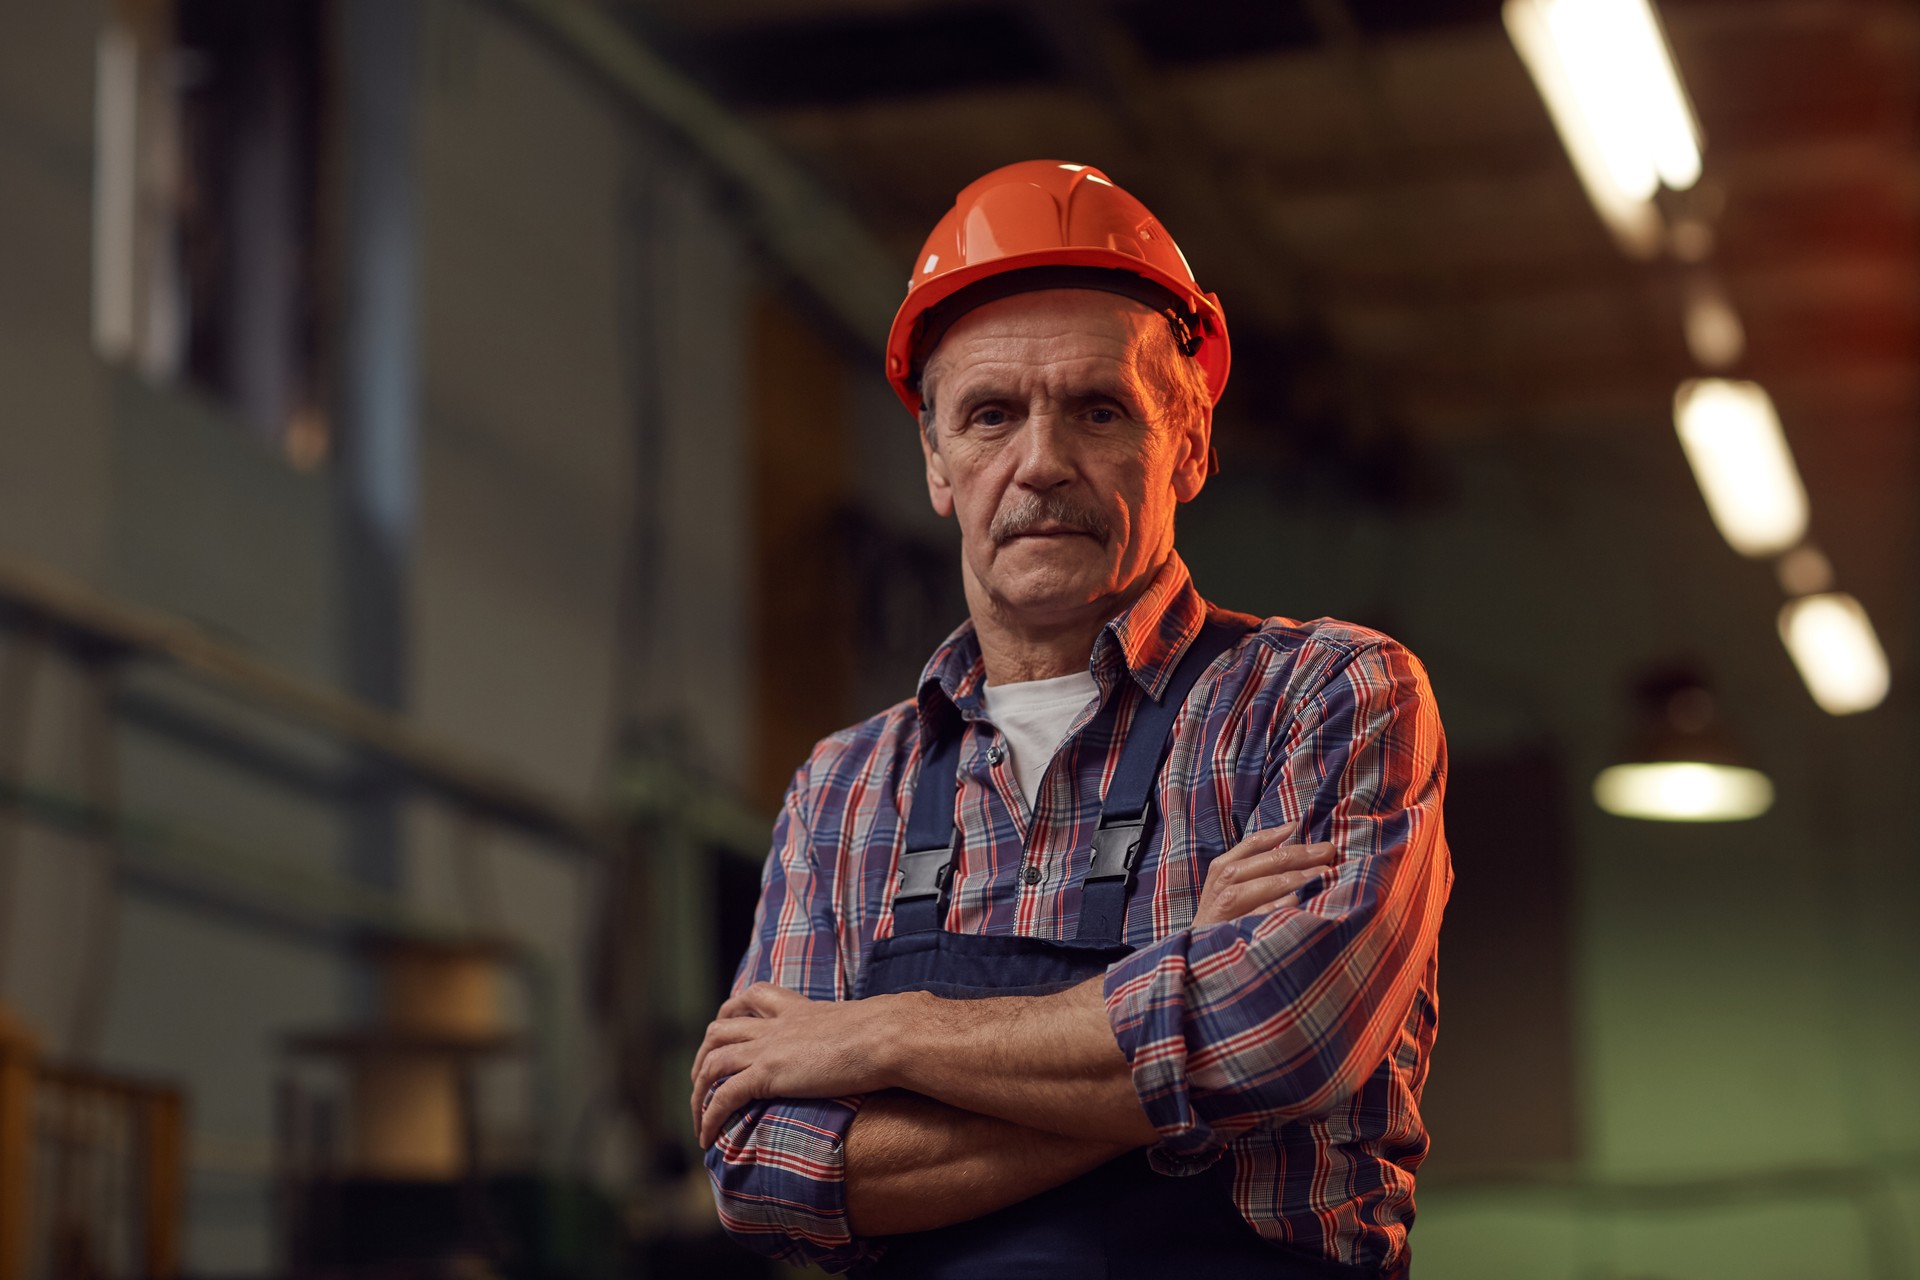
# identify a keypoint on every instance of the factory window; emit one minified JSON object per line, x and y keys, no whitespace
{"x":207,"y":197}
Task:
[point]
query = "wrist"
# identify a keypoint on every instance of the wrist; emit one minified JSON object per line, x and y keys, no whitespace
{"x":903,"y":1034}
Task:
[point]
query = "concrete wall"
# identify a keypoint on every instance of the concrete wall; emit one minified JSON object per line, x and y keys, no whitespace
{"x":1744,"y":1095}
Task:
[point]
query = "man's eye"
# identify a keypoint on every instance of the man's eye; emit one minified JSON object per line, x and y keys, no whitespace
{"x":1104,"y":417}
{"x":991,"y":417}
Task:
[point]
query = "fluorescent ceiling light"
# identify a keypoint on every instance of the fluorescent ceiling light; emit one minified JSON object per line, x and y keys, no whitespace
{"x":1740,"y":459}
{"x":1833,"y":643}
{"x":1609,"y":83}
{"x":1683,"y":791}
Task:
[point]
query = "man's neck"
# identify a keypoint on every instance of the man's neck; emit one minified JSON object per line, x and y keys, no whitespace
{"x":1017,"y":648}
{"x":1016,"y":654}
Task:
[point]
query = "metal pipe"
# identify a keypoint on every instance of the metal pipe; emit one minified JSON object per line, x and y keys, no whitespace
{"x":78,"y":617}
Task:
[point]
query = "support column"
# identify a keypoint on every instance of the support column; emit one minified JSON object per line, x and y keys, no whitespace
{"x":379,"y":398}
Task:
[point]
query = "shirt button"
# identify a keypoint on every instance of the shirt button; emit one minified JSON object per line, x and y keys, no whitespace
{"x":996,"y":753}
{"x":1031,"y":875}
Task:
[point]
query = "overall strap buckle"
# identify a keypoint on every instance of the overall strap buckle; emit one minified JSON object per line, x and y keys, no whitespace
{"x":1124,"y":811}
{"x":1103,"y":894}
{"x":922,"y":888}
{"x":1116,"y":849}
{"x":923,"y":874}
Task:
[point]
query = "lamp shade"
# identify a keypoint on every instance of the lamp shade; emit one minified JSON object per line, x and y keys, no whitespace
{"x":1681,"y":765}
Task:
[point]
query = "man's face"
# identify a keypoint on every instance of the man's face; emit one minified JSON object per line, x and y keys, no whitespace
{"x":1054,"y":449}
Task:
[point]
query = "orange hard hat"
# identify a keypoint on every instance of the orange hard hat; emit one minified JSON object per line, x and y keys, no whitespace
{"x":1045,"y":224}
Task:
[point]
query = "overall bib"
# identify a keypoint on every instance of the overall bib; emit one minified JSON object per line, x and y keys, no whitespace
{"x":1121,"y":1221}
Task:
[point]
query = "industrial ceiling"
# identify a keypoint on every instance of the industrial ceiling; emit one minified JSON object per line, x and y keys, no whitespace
{"x":1376,"y":190}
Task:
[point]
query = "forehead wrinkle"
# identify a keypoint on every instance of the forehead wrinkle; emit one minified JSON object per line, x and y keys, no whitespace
{"x":1045,"y":318}
{"x":1021,"y":377}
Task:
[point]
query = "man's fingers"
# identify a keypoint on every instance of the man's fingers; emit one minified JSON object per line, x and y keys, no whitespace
{"x":737,"y":1019}
{"x":1260,"y":842}
{"x":1310,"y":855}
{"x":720,"y":1064}
{"x":724,"y":1031}
{"x":699,"y":1061}
{"x":743,"y":1004}
{"x":700,"y":1054}
{"x":1262,"y":895}
{"x":732,"y":1095}
{"x":697,"y":1101}
{"x":1292,"y":857}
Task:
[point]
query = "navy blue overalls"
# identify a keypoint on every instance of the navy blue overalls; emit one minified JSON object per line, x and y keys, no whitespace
{"x":1121,"y":1221}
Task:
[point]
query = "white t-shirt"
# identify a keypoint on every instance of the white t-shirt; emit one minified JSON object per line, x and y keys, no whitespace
{"x":1033,"y":716}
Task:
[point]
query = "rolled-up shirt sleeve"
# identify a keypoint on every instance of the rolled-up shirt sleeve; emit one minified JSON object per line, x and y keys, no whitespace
{"x":779,"y":1167}
{"x":1282,"y":1016}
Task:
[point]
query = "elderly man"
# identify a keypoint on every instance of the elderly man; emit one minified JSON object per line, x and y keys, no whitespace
{"x":1112,"y":952}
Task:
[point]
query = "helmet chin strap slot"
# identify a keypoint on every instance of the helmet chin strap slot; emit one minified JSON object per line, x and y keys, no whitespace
{"x":1184,"y":336}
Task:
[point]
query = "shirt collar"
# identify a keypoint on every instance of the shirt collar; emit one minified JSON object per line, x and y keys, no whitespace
{"x":1146,"y":640}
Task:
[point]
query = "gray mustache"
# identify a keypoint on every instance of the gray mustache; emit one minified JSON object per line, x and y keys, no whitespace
{"x":1051,"y":510}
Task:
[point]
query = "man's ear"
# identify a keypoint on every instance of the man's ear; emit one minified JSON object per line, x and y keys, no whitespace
{"x":1195,"y":463}
{"x":939,"y":487}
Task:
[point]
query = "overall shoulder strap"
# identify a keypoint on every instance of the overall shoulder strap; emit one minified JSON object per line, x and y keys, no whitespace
{"x":1129,"y":800}
{"x":933,"y":838}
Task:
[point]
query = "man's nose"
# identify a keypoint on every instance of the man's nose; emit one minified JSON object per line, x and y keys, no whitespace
{"x":1045,"y":458}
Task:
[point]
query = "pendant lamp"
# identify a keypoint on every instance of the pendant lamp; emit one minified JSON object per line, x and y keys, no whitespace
{"x":1681,"y":765}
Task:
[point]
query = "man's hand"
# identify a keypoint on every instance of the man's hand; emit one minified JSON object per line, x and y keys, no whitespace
{"x":776,"y":1043}
{"x":1262,"y":873}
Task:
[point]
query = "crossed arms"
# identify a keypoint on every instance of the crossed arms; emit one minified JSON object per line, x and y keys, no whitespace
{"x":971,"y":1104}
{"x":833,"y":1120}
{"x":980,"y":1103}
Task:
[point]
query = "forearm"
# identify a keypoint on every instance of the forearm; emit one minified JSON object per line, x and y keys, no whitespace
{"x":1043,"y":1062}
{"x":913,"y":1164}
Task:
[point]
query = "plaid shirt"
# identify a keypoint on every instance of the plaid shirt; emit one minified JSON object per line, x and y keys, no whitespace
{"x":1294,"y":1044}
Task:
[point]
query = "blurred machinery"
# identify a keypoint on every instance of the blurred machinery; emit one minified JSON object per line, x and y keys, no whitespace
{"x":412,"y":1070}
{"x":394,"y":1177}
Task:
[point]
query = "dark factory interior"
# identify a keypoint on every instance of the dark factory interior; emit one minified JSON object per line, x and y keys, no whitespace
{"x":450,"y":481}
